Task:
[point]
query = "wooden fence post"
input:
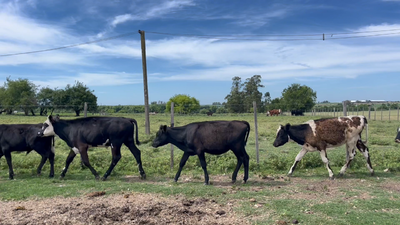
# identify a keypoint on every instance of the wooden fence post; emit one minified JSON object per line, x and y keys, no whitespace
{"x":374,"y":113}
{"x":389,"y":112}
{"x":397,"y":112}
{"x":256,"y":130}
{"x":344,"y":108}
{"x":369,"y":112}
{"x":381,"y":113}
{"x":172,"y":146}
{"x":145,"y":86}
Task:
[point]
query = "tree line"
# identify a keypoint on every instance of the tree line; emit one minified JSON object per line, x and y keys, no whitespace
{"x":22,"y":94}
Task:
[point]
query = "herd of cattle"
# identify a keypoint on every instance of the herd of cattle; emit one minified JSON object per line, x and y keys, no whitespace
{"x":213,"y":137}
{"x":277,"y":112}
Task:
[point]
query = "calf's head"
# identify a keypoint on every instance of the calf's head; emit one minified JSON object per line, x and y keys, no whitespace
{"x":282,"y":135}
{"x":47,"y":128}
{"x":398,"y":136}
{"x":161,"y":137}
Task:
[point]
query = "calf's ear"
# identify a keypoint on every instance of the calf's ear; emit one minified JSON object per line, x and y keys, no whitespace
{"x":163,"y":128}
{"x":287,"y":126}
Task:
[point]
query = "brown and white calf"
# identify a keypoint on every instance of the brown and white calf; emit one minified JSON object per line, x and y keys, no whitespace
{"x":318,"y":135}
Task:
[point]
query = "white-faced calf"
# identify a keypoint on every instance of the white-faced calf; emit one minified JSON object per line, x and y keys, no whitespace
{"x":318,"y":135}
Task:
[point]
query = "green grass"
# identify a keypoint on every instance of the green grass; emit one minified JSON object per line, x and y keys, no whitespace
{"x":277,"y":195}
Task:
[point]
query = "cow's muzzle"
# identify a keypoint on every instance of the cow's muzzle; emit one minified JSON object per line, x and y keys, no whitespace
{"x":397,"y":140}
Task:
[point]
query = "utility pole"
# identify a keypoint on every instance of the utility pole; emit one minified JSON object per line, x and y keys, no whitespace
{"x":146,"y":91}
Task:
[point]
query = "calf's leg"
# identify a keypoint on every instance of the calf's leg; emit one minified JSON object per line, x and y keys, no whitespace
{"x":70,"y":158}
{"x":238,"y":165}
{"x":364,"y":150}
{"x":184,"y":158}
{"x":137,"y":154}
{"x":51,"y":160}
{"x":42,"y":162}
{"x":85,"y":159}
{"x":203,"y":164}
{"x":10,"y":167}
{"x":326,"y":161}
{"x":116,"y":156}
{"x":246,"y":165}
{"x":299,"y":156}
{"x":350,"y":153}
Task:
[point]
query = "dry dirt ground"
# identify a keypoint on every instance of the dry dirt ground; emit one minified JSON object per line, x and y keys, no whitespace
{"x":133,"y":208}
{"x":140,"y":208}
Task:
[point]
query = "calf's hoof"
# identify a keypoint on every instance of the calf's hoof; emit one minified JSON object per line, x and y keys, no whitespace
{"x":97,"y":177}
{"x":103,"y":178}
{"x":51,"y":176}
{"x":233,"y":181}
{"x":341,"y":174}
{"x":331,"y":178}
{"x":372,"y":173}
{"x":143,"y":176}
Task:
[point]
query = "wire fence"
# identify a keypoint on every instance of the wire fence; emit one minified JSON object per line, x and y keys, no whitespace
{"x":372,"y":112}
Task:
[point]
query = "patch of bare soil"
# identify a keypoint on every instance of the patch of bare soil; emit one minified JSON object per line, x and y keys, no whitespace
{"x":132,"y":208}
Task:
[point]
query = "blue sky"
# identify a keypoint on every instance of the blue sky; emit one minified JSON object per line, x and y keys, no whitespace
{"x":337,"y":69}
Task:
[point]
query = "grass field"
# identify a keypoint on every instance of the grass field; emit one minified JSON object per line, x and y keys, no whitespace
{"x":269,"y":197}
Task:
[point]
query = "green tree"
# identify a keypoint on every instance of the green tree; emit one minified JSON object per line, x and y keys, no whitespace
{"x":234,"y":100}
{"x":75,"y":96}
{"x":276,"y":103}
{"x":45,"y":98}
{"x":20,"y":93}
{"x":183,"y":104}
{"x":298,"y":97}
{"x":267,"y":101}
{"x":251,"y":92}
{"x":2,"y":98}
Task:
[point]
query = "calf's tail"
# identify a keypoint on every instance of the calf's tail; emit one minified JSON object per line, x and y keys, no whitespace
{"x":136,"y":130}
{"x":366,"y":130}
{"x":248,"y":132}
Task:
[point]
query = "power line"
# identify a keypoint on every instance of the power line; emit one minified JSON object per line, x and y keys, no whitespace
{"x":266,"y":35}
{"x":229,"y":38}
{"x":70,"y":46}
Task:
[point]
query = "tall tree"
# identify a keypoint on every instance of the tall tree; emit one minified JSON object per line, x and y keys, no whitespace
{"x":267,"y":100}
{"x":299,"y":97}
{"x":77,"y":95}
{"x":183,"y":104}
{"x":234,"y":100}
{"x":20,"y":93}
{"x":251,"y":92}
{"x":45,"y":98}
{"x":276,"y":103}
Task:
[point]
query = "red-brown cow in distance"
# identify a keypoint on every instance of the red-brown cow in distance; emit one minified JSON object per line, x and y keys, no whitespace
{"x":273,"y":112}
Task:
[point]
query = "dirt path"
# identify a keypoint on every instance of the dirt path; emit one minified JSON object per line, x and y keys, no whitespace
{"x":134,"y":208}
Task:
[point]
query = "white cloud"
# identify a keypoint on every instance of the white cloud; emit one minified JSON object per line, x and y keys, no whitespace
{"x":92,"y":79}
{"x":158,"y":9}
